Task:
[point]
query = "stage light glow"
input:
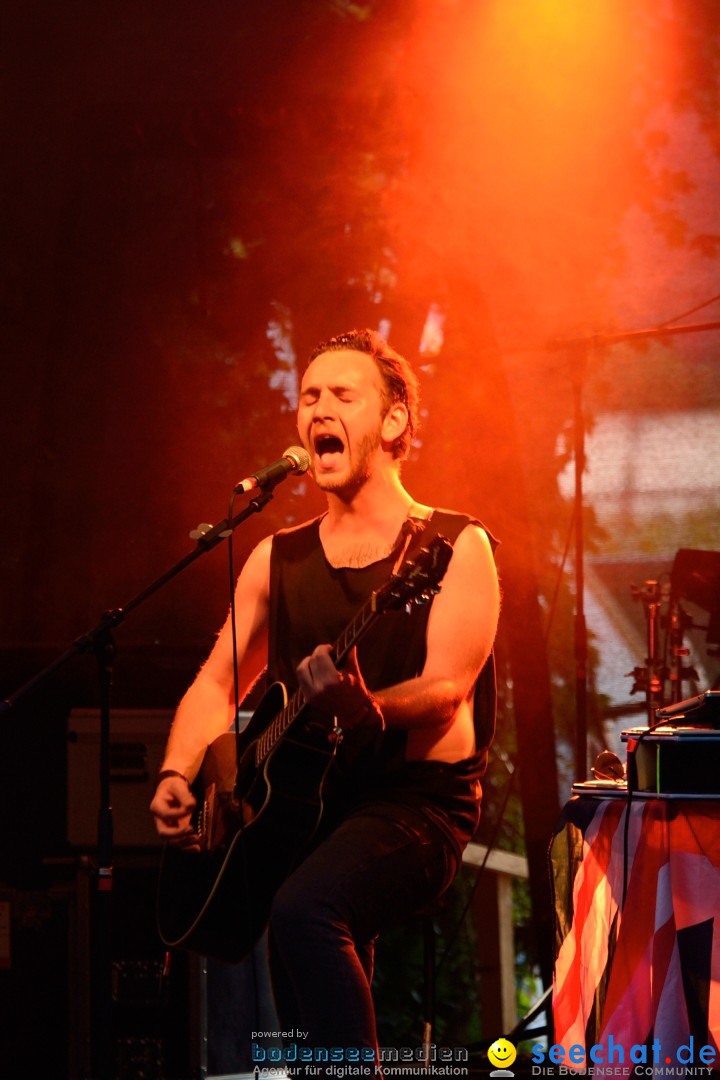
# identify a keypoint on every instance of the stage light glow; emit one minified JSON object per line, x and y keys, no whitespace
{"x":524,"y":121}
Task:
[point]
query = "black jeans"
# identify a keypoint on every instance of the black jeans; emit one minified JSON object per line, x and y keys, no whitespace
{"x":374,"y":869}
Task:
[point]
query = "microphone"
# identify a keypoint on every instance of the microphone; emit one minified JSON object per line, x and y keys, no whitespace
{"x":294,"y":459}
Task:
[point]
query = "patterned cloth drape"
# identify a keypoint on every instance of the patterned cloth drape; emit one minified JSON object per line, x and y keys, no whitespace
{"x":649,"y":969}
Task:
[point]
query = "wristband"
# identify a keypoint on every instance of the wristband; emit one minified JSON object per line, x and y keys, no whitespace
{"x":167,"y":773}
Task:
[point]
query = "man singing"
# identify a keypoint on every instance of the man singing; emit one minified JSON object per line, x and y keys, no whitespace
{"x":419,"y":690}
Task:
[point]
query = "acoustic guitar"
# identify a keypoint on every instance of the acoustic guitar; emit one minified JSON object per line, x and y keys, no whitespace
{"x":260,"y":797}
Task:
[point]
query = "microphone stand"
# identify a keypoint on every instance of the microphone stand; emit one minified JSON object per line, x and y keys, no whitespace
{"x":580,"y":626}
{"x":99,"y":640}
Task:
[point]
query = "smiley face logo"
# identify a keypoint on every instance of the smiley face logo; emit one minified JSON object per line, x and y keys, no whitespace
{"x":502,"y":1053}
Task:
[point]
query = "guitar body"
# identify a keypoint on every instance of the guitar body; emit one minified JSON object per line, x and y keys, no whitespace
{"x":218,"y":901}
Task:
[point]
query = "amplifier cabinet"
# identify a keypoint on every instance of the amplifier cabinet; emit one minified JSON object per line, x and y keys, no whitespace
{"x":137,"y":745}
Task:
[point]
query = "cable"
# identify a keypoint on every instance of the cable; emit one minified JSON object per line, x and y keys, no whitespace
{"x":558,"y":581}
{"x":684,"y":314}
{"x":233,"y":628}
{"x":236,"y":728}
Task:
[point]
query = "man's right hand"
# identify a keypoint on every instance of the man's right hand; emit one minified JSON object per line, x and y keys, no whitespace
{"x":172,"y":808}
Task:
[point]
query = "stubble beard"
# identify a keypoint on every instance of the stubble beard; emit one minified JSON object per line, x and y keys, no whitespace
{"x":352,"y":482}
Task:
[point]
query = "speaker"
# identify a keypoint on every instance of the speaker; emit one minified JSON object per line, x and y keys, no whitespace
{"x":154,"y":1019}
{"x":37,"y":992}
{"x":51,"y":992}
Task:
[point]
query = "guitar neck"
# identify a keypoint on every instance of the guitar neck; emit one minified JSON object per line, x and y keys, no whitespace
{"x":338,"y":654}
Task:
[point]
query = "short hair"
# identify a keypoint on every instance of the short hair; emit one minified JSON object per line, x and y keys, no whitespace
{"x":399,"y":379}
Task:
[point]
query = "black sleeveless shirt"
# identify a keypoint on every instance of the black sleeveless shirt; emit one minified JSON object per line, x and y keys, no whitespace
{"x":311,"y":602}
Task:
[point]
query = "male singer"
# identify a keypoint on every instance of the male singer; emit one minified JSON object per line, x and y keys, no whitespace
{"x":421,"y":688}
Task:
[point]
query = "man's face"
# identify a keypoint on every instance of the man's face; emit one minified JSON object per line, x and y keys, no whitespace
{"x":340,"y":418}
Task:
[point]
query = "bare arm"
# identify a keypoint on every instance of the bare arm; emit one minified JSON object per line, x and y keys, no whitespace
{"x":460,"y":635}
{"x":206,"y":710}
{"x":461,"y":630}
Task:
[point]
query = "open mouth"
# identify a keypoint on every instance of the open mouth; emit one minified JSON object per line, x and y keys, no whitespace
{"x":326,"y":447}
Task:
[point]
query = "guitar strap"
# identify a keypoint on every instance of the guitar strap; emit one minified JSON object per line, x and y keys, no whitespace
{"x":413,"y":532}
{"x":421,"y":527}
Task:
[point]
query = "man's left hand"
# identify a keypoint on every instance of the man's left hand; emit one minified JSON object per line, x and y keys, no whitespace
{"x":342,"y":694}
